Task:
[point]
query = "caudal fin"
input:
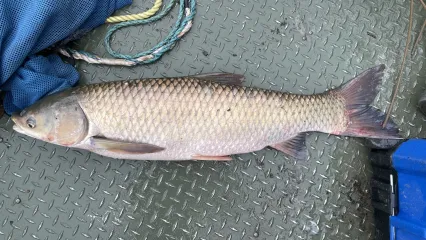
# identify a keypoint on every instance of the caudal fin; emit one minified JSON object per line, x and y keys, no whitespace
{"x":365,"y":120}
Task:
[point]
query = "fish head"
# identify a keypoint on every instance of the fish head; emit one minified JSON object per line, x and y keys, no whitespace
{"x":56,"y":120}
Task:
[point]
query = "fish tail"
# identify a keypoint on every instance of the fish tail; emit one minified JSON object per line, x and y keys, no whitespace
{"x":365,"y":120}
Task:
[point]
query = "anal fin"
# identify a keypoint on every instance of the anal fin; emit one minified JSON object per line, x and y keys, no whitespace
{"x":295,"y":147}
{"x":211,"y":158}
{"x":122,"y":147}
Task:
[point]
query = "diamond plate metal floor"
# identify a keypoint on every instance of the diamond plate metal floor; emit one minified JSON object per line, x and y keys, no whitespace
{"x":49,"y":192}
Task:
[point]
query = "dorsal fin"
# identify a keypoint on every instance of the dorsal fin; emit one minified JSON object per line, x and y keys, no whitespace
{"x":222,"y":78}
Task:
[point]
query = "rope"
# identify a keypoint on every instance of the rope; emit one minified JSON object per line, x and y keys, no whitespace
{"x":139,"y":16}
{"x":182,"y":26}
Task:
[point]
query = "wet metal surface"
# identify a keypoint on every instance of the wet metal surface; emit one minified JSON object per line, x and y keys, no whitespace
{"x":49,"y":192}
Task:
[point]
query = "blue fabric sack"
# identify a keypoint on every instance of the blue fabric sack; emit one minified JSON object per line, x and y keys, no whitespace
{"x":29,"y":26}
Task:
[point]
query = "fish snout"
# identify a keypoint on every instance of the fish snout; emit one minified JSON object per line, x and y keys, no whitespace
{"x":14,"y":117}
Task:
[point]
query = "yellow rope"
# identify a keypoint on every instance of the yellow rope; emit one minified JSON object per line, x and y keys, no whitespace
{"x":139,"y":16}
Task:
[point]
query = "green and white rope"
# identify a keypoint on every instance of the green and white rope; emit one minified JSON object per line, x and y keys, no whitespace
{"x":183,"y":25}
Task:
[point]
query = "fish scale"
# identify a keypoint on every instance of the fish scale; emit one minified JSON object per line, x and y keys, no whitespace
{"x":190,"y":116}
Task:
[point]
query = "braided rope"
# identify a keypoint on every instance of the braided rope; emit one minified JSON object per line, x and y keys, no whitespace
{"x":183,"y":24}
{"x":139,"y":16}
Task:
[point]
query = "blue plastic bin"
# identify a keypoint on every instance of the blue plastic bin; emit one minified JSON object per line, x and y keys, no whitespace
{"x":409,"y":160}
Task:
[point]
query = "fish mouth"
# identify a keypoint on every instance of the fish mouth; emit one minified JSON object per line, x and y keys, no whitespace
{"x":14,"y":117}
{"x":18,"y":129}
{"x":16,"y":125}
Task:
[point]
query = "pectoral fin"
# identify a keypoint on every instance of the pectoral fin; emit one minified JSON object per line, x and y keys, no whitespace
{"x":294,"y":147}
{"x":122,"y":147}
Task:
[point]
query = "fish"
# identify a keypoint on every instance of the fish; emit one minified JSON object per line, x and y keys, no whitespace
{"x":204,"y":117}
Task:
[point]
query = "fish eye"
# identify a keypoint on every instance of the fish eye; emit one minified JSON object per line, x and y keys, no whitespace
{"x":31,"y":122}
